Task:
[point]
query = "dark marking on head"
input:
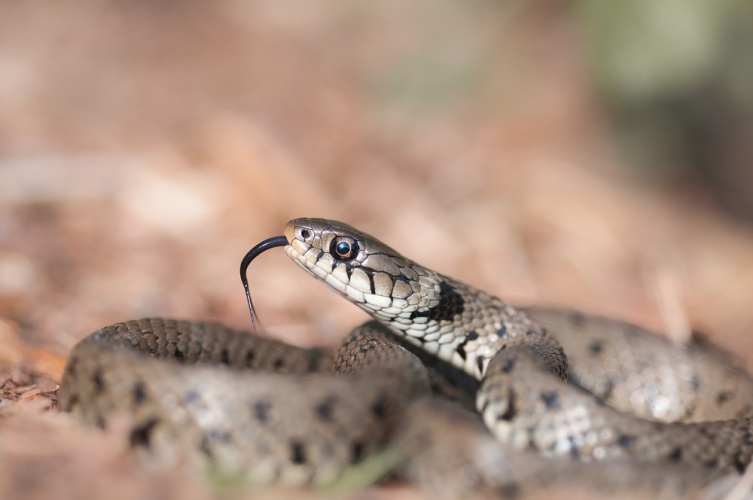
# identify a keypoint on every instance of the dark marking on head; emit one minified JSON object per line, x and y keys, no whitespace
{"x":141,"y":435}
{"x":675,"y":455}
{"x":278,"y":363}
{"x":260,"y":410}
{"x":450,"y":304}
{"x":551,"y":400}
{"x":225,"y":357}
{"x":596,"y":347}
{"x":471,"y":335}
{"x":139,"y":392}
{"x":297,"y":452}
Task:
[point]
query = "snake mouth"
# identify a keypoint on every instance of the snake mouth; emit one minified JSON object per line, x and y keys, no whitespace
{"x":275,"y":241}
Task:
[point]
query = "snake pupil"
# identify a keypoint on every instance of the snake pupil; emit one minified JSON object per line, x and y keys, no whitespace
{"x":344,"y":248}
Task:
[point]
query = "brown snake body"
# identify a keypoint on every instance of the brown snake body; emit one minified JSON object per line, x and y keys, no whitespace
{"x":265,"y":409}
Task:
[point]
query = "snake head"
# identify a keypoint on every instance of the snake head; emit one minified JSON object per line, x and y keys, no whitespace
{"x":362,"y":269}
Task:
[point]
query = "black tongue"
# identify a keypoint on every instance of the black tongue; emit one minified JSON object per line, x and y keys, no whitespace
{"x":275,"y":241}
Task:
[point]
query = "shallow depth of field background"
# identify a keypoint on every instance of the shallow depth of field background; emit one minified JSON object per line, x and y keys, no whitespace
{"x":571,"y":154}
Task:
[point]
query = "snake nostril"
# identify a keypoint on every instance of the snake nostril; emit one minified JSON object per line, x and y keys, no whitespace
{"x":305,"y":233}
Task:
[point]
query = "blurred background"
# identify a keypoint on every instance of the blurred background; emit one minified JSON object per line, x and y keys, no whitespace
{"x":584,"y":154}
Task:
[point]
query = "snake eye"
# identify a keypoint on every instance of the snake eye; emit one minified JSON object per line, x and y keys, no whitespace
{"x":344,"y":248}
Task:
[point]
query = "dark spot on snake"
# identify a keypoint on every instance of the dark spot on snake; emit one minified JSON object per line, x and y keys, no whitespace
{"x":551,"y":400}
{"x":100,"y":422}
{"x":141,"y":435}
{"x":510,"y":411}
{"x":502,"y":331}
{"x":675,"y":455}
{"x":530,"y":332}
{"x":297,"y":452}
{"x":480,"y":363}
{"x":723,"y":397}
{"x":260,"y":410}
{"x":179,"y":355}
{"x":357,"y":449}
{"x":139,"y":392}
{"x":225,"y":357}
{"x":325,"y":408}
{"x":596,"y":347}
{"x":450,"y":304}
{"x":379,"y":408}
{"x":509,"y":365}
{"x":460,"y":349}
{"x":625,"y":441}
{"x":250,"y":357}
{"x":279,"y":363}
{"x":98,"y":381}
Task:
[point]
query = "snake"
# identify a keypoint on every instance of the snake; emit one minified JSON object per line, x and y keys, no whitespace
{"x":463,"y":388}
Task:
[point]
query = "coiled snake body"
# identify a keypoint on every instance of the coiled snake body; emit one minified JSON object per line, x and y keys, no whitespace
{"x":270,"y":411}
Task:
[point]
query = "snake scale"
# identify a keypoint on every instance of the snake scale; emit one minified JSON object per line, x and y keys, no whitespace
{"x":553,"y":388}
